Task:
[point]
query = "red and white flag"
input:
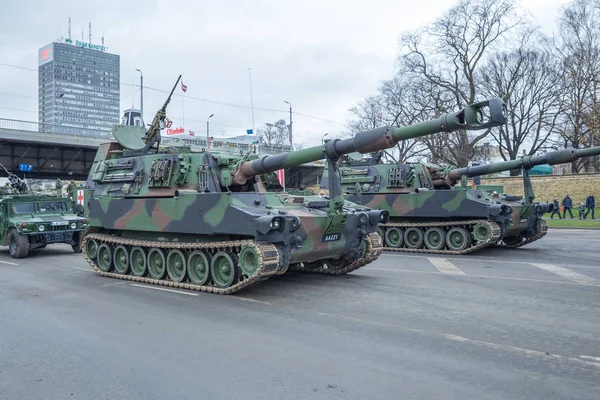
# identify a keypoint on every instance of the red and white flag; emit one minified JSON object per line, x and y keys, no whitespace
{"x":192,"y":133}
{"x":281,"y":177}
{"x":183,"y":87}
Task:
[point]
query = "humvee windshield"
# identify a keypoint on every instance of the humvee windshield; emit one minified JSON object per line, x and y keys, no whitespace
{"x":23,"y":208}
{"x":52,"y":206}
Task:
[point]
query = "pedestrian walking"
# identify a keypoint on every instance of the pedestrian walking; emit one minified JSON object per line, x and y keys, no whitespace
{"x":590,"y":203}
{"x":568,"y":205}
{"x":555,"y":209}
{"x":581,"y":210}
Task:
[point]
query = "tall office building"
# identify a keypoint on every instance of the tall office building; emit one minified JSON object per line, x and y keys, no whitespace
{"x":78,"y":88}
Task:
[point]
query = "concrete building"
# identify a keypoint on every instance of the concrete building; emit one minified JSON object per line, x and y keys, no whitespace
{"x":78,"y":88}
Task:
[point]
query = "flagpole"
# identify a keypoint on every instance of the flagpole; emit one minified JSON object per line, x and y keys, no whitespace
{"x":251,"y":99}
{"x":182,"y":111}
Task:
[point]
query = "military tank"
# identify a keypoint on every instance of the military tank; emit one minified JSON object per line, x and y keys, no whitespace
{"x":201,"y":220}
{"x":32,"y":220}
{"x":429,"y":214}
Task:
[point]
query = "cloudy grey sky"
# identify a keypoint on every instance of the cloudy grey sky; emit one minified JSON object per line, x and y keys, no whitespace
{"x":321,"y":55}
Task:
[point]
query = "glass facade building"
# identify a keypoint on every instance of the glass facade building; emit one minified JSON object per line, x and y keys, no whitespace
{"x":78,"y":89}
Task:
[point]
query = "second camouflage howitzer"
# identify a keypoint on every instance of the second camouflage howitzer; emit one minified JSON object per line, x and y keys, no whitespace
{"x":200,"y":219}
{"x":527,"y":225}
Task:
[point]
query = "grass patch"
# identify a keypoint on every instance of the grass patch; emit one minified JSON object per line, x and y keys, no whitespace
{"x":573,"y":223}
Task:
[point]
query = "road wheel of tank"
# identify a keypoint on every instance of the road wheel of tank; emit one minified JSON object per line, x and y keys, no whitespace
{"x":138,"y":261}
{"x":198,"y":267}
{"x":18,"y":246}
{"x":91,"y":248}
{"x":393,"y":237}
{"x":121,"y":257}
{"x":413,"y":237}
{"x":335,"y":264}
{"x":458,"y":239}
{"x":224,"y":269}
{"x":105,"y":257}
{"x":176,"y":267}
{"x":482,"y":232}
{"x":435,"y":238}
{"x":157,"y":263}
{"x":313,"y":265}
{"x":511,"y":240}
{"x":249,"y":260}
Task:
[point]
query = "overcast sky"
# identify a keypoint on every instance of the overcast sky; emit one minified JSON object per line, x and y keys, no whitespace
{"x":322,"y":56}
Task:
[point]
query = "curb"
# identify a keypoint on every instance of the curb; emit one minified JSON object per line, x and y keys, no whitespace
{"x":587,"y":228}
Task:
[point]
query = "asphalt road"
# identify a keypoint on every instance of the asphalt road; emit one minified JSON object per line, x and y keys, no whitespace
{"x":502,"y":324}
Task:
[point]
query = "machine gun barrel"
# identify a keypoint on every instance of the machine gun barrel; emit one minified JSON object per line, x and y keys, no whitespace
{"x":482,"y":115}
{"x":526,"y":162}
{"x":153,"y":133}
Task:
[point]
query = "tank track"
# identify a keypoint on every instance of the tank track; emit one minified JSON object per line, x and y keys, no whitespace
{"x":373,"y":251}
{"x":268,"y":261}
{"x":494,"y":229}
{"x":542,"y":231}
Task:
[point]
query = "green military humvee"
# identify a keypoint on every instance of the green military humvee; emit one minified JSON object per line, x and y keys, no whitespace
{"x":31,"y":220}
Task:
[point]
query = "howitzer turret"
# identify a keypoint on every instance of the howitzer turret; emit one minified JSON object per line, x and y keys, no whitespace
{"x":200,"y":219}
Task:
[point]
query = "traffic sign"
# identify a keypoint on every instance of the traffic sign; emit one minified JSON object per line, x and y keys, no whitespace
{"x":25,"y":167}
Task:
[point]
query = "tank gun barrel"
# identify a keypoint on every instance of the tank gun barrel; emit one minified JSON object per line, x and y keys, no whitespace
{"x":482,"y":115}
{"x":526,"y":162}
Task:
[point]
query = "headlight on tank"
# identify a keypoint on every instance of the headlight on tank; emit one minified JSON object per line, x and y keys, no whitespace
{"x":275,"y":224}
{"x":73,"y":225}
{"x":41,"y":228}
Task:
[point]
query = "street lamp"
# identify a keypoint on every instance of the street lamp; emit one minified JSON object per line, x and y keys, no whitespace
{"x":207,"y":126}
{"x":141,"y":92}
{"x":291,"y":141}
{"x":323,"y":138}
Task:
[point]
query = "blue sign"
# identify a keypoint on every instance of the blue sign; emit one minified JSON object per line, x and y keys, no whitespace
{"x":249,"y":131}
{"x":25,"y":167}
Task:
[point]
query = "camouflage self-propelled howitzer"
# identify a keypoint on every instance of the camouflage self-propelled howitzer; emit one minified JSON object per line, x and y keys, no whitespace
{"x":527,"y":223}
{"x":201,"y":220}
{"x":429,"y":214}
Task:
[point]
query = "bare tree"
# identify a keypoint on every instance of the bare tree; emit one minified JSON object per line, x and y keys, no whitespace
{"x":527,"y":80}
{"x":578,"y":45}
{"x":273,"y":135}
{"x":448,"y":54}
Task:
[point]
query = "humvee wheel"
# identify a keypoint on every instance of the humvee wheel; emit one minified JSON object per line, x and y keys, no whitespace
{"x":176,"y":267}
{"x":413,"y":237}
{"x":224,"y":269}
{"x":198,"y":267}
{"x":249,"y":260}
{"x":137,"y":259}
{"x":105,"y":257}
{"x":435,"y":238}
{"x":18,"y":245}
{"x":77,"y":246}
{"x":156,"y":263}
{"x":91,"y":247}
{"x":458,"y":239}
{"x":121,"y":257}
{"x":393,"y":237}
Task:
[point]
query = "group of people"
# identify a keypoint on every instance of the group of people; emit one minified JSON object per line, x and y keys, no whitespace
{"x":567,"y":203}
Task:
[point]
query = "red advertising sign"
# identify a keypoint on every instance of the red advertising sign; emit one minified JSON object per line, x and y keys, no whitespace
{"x":175,"y":131}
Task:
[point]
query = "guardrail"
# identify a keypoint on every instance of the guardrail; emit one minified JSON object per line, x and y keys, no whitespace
{"x":216,"y":144}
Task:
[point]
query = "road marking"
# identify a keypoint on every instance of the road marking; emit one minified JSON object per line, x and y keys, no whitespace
{"x":472,"y":259}
{"x":249,"y":299}
{"x":456,"y":338}
{"x":474,"y":276}
{"x":445,"y":266}
{"x":164,"y":289}
{"x":9,"y":263}
{"x":113,"y":284}
{"x":592,"y":359}
{"x":567,"y":273}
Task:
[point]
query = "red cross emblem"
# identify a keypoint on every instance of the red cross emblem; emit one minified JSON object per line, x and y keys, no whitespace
{"x":80,"y":197}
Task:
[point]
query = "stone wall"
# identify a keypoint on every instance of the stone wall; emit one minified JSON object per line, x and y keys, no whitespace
{"x":548,"y":187}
